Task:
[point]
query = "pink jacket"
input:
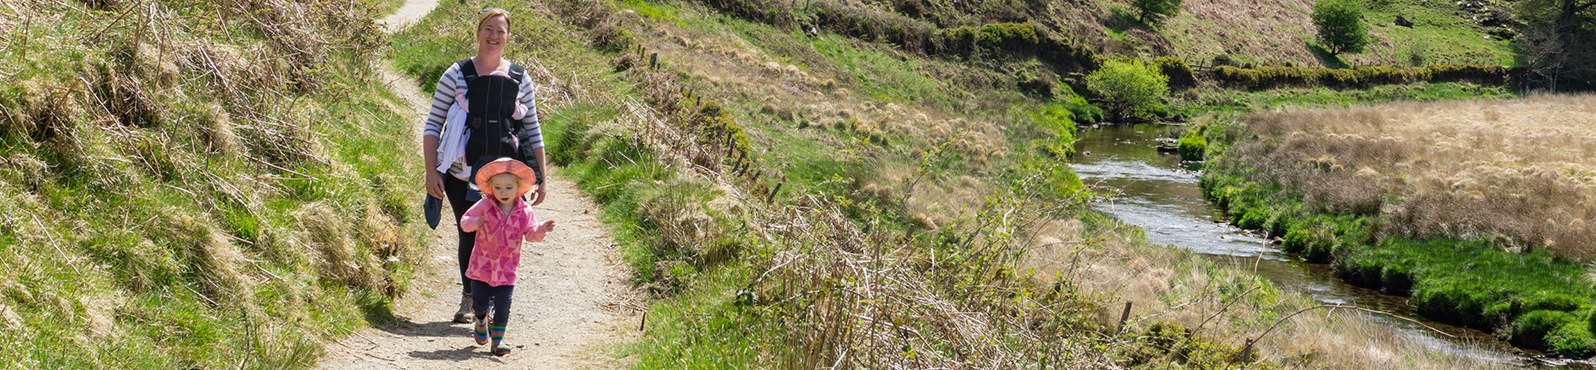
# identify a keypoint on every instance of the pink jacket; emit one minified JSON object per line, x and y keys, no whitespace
{"x":498,"y":249}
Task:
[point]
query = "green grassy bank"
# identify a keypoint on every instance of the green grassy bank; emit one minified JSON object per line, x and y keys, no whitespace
{"x":194,"y":184}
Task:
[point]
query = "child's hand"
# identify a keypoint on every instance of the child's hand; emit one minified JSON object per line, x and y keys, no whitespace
{"x":539,"y":231}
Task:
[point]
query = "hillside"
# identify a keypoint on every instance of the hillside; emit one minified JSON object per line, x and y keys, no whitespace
{"x":1281,"y":33}
{"x":192,"y":184}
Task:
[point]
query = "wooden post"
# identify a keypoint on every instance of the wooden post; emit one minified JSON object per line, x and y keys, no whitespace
{"x":640,"y":324}
{"x":1122,"y":317}
{"x":772,"y":195}
{"x":653,"y":61}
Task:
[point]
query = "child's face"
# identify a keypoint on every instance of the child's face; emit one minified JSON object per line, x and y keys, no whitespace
{"x":505,"y":188}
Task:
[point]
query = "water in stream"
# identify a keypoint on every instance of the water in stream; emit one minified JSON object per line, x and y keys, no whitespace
{"x":1160,"y":195}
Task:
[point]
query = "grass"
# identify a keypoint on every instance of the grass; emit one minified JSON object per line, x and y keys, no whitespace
{"x":177,"y":202}
{"x":1376,"y":190}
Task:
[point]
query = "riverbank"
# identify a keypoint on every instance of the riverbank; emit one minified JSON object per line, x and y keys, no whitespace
{"x":1393,"y":195}
{"x":1155,"y":191}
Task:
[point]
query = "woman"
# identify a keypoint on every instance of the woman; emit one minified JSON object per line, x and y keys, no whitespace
{"x":448,"y":178}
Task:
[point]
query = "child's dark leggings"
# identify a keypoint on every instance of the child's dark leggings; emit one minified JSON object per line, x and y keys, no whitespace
{"x":480,"y":294}
{"x":455,"y":189}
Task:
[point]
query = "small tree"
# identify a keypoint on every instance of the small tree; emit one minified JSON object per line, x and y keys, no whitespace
{"x":1156,"y":10}
{"x":1132,"y":87}
{"x":1340,"y":24}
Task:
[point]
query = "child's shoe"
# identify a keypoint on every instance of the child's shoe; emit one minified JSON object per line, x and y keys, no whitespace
{"x":499,"y":348}
{"x":481,"y":331}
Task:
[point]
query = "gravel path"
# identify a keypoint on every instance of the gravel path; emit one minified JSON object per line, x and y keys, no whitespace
{"x":572,"y":308}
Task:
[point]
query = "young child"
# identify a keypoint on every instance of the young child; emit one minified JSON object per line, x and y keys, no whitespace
{"x":501,"y":220}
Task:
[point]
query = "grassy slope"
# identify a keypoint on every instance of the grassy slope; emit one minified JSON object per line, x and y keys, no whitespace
{"x":180,"y":197}
{"x":843,"y":129}
{"x":1280,"y":32}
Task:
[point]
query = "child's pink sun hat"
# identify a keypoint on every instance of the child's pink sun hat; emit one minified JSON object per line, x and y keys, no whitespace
{"x":503,"y":165}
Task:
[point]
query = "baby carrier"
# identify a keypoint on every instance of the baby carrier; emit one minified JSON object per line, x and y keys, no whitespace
{"x":493,"y":133}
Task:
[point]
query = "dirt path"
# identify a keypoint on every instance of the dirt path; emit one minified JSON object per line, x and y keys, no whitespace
{"x":572,"y":305}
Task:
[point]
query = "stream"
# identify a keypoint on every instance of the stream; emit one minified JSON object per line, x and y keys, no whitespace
{"x":1159,"y":193}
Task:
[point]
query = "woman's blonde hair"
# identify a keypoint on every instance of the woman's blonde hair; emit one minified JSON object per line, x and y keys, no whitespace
{"x":489,"y":14}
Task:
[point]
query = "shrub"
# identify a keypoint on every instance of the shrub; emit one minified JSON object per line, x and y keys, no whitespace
{"x":959,"y":41}
{"x":1132,"y":87}
{"x":1192,"y":146}
{"x":1339,"y":77}
{"x":612,"y":38}
{"x":1008,"y":38}
{"x":1340,"y":24}
{"x":1154,"y":11}
{"x":1485,"y":74}
{"x":1267,"y":77}
{"x":1179,"y":73}
{"x":1238,"y":77}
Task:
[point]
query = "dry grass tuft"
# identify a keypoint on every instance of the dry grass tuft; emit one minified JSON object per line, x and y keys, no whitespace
{"x":332,"y":236}
{"x":857,"y":298}
{"x":217,"y":259}
{"x":1521,"y":171}
{"x":1170,"y":285}
{"x":215,"y":126}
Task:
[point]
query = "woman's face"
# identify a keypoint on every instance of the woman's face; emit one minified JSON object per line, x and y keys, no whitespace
{"x":492,"y":36}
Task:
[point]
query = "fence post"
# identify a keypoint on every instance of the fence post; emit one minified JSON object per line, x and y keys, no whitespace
{"x":653,"y":61}
{"x":1122,"y":317}
{"x":773,"y":193}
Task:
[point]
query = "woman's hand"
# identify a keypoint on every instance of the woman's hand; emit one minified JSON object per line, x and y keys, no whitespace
{"x":434,"y":184}
{"x":537,"y":194}
{"x":429,"y":155}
